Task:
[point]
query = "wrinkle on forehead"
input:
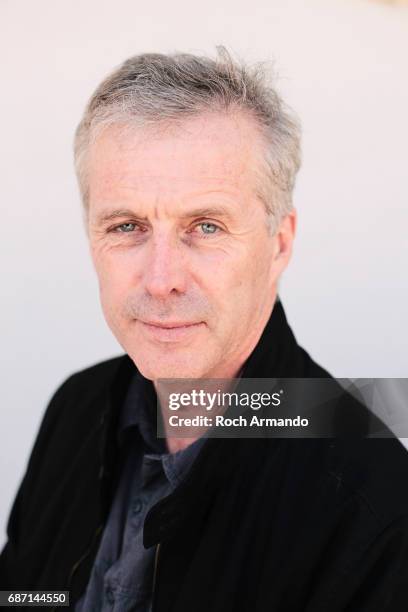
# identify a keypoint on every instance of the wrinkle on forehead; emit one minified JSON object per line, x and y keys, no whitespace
{"x":229,"y":142}
{"x":204,"y":158}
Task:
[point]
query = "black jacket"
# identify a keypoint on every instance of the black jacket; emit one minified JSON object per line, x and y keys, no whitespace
{"x":259,"y":525}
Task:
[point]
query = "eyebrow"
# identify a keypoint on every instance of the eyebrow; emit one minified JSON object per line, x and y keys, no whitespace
{"x":115,"y":214}
{"x":207,"y":211}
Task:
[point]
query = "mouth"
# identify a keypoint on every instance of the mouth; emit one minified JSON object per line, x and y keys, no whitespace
{"x":172,"y":331}
{"x":169,"y":325}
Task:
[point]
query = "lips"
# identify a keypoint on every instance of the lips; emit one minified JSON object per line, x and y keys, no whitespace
{"x":171,"y":331}
{"x":171,"y":325}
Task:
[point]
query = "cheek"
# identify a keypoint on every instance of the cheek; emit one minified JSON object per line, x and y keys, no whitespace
{"x":262,"y":262}
{"x":115,"y":280}
{"x":216,"y":269}
{"x":227,"y":285}
{"x":242,"y":286}
{"x":241,"y":274}
{"x":113,"y":268}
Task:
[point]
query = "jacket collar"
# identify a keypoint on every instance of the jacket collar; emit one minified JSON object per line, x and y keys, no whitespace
{"x":277,"y":352}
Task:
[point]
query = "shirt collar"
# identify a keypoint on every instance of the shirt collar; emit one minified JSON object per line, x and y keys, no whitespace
{"x":139,"y":413}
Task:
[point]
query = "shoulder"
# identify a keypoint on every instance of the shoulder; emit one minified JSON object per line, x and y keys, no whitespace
{"x":365,"y":504}
{"x":347,"y":506}
{"x":94,"y":381}
{"x":365,"y":473}
{"x":376,"y":471}
{"x":343,"y":501}
{"x":101,"y":373}
{"x":76,"y":407}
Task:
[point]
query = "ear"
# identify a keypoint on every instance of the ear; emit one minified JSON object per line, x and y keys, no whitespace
{"x":284,"y":238}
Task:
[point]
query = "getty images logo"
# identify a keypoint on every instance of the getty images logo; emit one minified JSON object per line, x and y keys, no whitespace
{"x":208,"y":401}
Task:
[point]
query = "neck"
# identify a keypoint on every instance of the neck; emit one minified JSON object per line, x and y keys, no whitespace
{"x":193,"y":411}
{"x":226,"y":372}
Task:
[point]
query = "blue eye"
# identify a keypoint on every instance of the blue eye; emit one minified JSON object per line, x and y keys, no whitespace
{"x":125,"y":227}
{"x":208,"y":228}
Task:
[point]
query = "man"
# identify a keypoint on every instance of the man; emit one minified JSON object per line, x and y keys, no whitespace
{"x":186,"y":168}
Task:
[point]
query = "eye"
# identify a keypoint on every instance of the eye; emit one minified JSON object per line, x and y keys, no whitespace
{"x":208,"y":228}
{"x":125,"y":228}
{"x":128,"y":227}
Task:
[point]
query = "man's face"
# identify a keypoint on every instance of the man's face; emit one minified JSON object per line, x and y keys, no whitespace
{"x":186,"y":263}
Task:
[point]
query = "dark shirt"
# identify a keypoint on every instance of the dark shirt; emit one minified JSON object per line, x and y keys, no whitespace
{"x":123,"y":571}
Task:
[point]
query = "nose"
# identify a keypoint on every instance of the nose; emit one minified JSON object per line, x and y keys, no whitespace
{"x":165,"y":267}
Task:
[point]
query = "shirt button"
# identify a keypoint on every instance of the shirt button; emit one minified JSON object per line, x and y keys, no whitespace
{"x":110,"y":596}
{"x":137,"y":506}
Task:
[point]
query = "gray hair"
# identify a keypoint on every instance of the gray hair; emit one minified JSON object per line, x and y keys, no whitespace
{"x":152,"y":89}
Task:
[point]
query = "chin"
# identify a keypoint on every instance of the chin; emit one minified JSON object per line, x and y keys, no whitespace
{"x":168,"y":367}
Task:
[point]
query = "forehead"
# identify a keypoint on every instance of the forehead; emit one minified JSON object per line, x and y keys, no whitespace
{"x":209,"y":152}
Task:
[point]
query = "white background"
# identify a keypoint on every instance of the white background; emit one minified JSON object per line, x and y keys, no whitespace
{"x":342,"y":64}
